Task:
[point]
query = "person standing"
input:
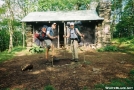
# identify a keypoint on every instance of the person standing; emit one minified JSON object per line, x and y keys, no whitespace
{"x":73,"y":33}
{"x":48,"y":40}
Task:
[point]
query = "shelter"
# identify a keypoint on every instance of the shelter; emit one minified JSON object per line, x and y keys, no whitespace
{"x":87,"y":21}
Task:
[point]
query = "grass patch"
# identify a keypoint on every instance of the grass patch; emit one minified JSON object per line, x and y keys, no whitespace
{"x":86,"y":62}
{"x":4,"y":56}
{"x":108,"y":48}
{"x":119,"y":82}
{"x":125,"y":45}
{"x":49,"y":87}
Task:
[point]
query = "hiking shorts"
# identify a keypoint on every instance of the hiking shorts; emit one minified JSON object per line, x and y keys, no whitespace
{"x":48,"y":43}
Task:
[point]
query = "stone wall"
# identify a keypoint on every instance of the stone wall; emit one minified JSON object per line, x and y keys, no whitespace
{"x":29,"y":36}
{"x":103,"y":33}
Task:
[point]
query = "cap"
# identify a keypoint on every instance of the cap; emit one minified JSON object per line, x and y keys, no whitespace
{"x":54,"y":23}
{"x":71,"y":23}
{"x":45,"y":26}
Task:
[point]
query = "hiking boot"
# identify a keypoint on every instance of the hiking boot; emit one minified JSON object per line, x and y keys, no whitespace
{"x":48,"y":62}
{"x":72,"y":60}
{"x":76,"y":60}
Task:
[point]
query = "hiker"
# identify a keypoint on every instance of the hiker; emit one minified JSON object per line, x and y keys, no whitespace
{"x":48,"y":40}
{"x":39,"y":37}
{"x":73,"y":33}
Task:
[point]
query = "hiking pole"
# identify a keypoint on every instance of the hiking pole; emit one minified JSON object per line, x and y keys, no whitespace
{"x":83,"y":50}
{"x":52,"y":56}
{"x":64,"y":48}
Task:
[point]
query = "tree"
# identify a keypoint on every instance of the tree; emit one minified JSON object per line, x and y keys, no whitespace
{"x":10,"y":23}
{"x":125,"y":27}
{"x":55,"y":5}
{"x":116,"y":13}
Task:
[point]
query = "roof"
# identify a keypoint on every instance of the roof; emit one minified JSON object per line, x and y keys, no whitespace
{"x":80,"y":15}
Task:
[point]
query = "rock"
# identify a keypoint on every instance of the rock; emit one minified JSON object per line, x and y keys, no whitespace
{"x":27,"y":67}
{"x":122,"y":62}
{"x":74,"y":72}
{"x":96,"y":69}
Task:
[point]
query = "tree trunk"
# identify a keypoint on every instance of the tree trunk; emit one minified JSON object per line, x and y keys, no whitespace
{"x":23,"y":33}
{"x":11,"y":37}
{"x":10,"y":24}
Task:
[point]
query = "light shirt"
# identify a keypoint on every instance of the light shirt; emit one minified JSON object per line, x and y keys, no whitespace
{"x":73,"y":33}
{"x":50,"y":31}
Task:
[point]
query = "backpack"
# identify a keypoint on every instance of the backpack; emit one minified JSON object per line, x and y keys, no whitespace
{"x":79,"y":37}
{"x":41,"y":36}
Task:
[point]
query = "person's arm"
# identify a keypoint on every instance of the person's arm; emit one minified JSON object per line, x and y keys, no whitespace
{"x":79,"y":32}
{"x":68,"y":33}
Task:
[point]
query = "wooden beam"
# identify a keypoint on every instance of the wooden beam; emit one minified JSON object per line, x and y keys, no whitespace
{"x":65,"y":34}
{"x":33,"y":34}
{"x":58,"y":38}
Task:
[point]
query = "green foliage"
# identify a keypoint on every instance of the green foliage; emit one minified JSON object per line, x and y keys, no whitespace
{"x":49,"y":87}
{"x":4,"y":40}
{"x":36,"y":49}
{"x":17,"y":38}
{"x":108,"y":48}
{"x":17,"y":49}
{"x":131,"y":72}
{"x":119,"y":82}
{"x":5,"y":55}
{"x":85,"y":88}
{"x":127,"y":40}
{"x":55,"y":5}
{"x":87,"y":62}
{"x":125,"y":18}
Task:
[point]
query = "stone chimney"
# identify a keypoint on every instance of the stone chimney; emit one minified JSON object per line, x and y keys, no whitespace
{"x":104,"y":11}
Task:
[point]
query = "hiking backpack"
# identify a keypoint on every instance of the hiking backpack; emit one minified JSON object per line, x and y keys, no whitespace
{"x":41,"y":36}
{"x":78,"y":36}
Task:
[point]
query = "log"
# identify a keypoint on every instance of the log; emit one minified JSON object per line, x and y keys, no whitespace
{"x":27,"y":67}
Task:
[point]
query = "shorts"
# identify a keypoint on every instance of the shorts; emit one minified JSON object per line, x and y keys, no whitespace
{"x":48,"y":43}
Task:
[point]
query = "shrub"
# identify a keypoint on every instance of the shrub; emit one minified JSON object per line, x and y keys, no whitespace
{"x":36,"y":49}
{"x":49,"y":87}
{"x":108,"y":48}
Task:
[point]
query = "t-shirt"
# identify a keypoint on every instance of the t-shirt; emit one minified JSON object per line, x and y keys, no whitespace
{"x":50,"y":31}
{"x":72,"y":33}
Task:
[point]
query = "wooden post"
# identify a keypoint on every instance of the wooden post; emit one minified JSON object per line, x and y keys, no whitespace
{"x":33,"y":35}
{"x":58,"y":38}
{"x":23,"y":29}
{"x":65,"y":34}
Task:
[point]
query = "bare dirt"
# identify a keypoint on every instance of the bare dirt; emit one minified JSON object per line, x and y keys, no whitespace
{"x":98,"y":67}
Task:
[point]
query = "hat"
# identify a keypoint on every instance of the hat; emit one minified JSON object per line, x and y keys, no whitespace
{"x":54,"y":23}
{"x":45,"y":26}
{"x":71,"y":23}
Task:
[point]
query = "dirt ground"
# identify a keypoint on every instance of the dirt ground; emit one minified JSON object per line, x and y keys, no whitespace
{"x":98,"y":67}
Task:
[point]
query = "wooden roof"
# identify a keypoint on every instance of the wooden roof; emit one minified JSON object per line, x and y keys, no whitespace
{"x":79,"y":15}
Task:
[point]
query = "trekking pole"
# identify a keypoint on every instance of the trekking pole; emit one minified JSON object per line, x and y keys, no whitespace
{"x":83,"y":50}
{"x":52,"y":56}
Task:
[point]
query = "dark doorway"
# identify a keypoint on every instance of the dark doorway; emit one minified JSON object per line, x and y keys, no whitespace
{"x":61,"y":33}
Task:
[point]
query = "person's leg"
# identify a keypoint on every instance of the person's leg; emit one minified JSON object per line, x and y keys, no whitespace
{"x":48,"y":46}
{"x":37,"y":41}
{"x":76,"y":50}
{"x":47,"y":51}
{"x":72,"y":49}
